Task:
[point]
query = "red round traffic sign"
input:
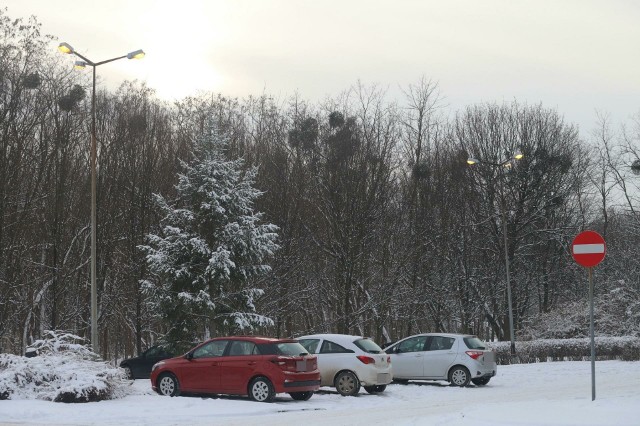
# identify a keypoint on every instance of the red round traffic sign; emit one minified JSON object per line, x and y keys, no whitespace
{"x":588,"y":248}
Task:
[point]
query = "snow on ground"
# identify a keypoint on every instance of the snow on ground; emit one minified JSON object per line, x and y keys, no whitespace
{"x":556,"y":393}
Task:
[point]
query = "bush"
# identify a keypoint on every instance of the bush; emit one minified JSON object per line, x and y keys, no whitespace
{"x":607,"y":348}
{"x":63,"y":371}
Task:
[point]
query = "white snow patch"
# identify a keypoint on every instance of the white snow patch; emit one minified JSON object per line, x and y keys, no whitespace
{"x":556,"y":393}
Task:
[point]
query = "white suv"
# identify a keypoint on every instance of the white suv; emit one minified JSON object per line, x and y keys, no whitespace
{"x":457,"y":358}
{"x":346,"y":362}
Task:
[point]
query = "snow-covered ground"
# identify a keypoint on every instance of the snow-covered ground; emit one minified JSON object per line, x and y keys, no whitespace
{"x":556,"y":393}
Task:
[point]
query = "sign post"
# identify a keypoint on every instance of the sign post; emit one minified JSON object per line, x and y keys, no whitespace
{"x":588,"y":249}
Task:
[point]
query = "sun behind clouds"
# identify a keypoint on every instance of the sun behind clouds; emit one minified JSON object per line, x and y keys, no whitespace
{"x":180,"y":44}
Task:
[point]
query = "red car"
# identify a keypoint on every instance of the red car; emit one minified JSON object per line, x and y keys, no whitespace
{"x":259,"y":367}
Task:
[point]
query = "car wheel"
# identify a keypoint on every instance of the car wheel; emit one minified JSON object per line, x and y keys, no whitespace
{"x":481,"y":381}
{"x":347,"y":384}
{"x":301,"y":396}
{"x":168,"y":385}
{"x":261,"y":390}
{"x":128,"y":374}
{"x":459,"y":376}
{"x":375,"y":389}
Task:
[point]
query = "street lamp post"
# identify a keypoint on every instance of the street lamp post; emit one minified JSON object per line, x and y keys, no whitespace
{"x":501,"y":166}
{"x":138,"y":54}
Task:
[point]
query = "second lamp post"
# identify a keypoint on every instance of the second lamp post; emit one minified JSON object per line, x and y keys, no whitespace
{"x":138,"y":54}
{"x":502,"y":166}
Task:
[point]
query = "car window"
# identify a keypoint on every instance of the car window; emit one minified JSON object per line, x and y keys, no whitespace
{"x":329,"y":347}
{"x":440,"y":343}
{"x":413,"y":344}
{"x":211,"y":349}
{"x":473,"y":342}
{"x":241,"y":347}
{"x":310,"y":344}
{"x":368,"y":346}
{"x":290,"y":348}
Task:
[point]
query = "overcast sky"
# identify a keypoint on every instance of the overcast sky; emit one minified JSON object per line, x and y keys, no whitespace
{"x":576,"y":56}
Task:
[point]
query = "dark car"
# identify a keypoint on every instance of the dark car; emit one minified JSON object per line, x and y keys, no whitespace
{"x":140,"y":366}
{"x":259,"y":367}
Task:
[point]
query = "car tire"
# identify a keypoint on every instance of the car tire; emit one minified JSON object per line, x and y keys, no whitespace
{"x":459,"y":376}
{"x":301,"y":396}
{"x":261,"y":390}
{"x":168,"y":385}
{"x":481,"y":381}
{"x":128,"y":374}
{"x":347,"y":383}
{"x":375,"y":389}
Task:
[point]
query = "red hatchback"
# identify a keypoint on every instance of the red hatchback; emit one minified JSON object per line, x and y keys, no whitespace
{"x":259,"y":367}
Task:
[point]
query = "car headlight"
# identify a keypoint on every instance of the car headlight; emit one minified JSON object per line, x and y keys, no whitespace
{"x":156,"y":365}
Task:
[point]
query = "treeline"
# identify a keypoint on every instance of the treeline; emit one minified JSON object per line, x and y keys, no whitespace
{"x":385,"y":230}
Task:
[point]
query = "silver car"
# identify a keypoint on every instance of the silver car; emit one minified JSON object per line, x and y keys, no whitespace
{"x":346,"y":362}
{"x":456,"y":358}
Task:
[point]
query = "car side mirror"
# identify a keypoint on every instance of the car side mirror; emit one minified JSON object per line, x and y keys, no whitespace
{"x":189,"y":356}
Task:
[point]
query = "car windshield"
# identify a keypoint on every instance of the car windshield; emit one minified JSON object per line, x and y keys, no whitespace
{"x":368,"y":345}
{"x":290,"y":348}
{"x":474,"y":343}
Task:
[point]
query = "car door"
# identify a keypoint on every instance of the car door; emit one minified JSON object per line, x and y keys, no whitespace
{"x":441,"y":352}
{"x":407,"y":357}
{"x":202,"y":372}
{"x":237,"y":366}
{"x":332,"y":358}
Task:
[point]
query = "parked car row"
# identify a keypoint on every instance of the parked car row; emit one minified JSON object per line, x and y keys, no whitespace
{"x":261,"y":367}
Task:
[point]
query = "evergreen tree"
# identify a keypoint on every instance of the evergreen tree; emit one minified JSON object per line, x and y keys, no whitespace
{"x":211,"y":246}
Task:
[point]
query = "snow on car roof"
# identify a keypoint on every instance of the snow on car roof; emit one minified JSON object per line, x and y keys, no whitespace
{"x":337,"y":338}
{"x":442,"y":334}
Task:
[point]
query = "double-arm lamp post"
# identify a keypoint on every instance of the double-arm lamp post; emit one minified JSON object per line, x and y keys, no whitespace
{"x":138,"y":54}
{"x":501,"y":167}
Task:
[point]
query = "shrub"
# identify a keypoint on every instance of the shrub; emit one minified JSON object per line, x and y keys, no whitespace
{"x":607,"y":348}
{"x":63,"y":371}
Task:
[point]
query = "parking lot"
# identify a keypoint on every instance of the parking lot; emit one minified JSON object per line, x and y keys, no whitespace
{"x":556,"y":393}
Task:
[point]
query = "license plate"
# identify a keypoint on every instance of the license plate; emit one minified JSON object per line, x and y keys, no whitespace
{"x":301,"y":365}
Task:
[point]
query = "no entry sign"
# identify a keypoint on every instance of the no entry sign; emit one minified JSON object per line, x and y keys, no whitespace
{"x":588,"y":248}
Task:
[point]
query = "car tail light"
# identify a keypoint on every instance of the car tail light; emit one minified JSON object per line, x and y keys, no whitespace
{"x":366,"y":359}
{"x":474,"y":354}
{"x":389,"y":359}
{"x":286,"y":364}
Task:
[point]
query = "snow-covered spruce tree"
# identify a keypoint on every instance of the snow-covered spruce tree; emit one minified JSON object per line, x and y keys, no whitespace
{"x":211,"y":247}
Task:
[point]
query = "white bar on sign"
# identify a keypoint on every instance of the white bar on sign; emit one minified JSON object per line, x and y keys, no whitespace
{"x":588,"y":248}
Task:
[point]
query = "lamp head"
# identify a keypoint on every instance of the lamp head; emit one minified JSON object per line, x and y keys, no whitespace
{"x":471,"y":161}
{"x":518,"y":155}
{"x":65,"y":48}
{"x":138,"y":54}
{"x":80,"y":65}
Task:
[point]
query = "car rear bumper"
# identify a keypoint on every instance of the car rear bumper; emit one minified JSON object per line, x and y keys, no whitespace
{"x":298,"y":386}
{"x":375,"y":377}
{"x":484,"y":371}
{"x":305,"y":384}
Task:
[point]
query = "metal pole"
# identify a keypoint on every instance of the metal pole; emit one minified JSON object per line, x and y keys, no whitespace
{"x":506,"y":263}
{"x":593,"y":345}
{"x":94,"y":289}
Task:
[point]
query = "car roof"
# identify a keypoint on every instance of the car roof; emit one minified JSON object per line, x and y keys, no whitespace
{"x":254,"y":339}
{"x":441,"y":334}
{"x":337,"y":338}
